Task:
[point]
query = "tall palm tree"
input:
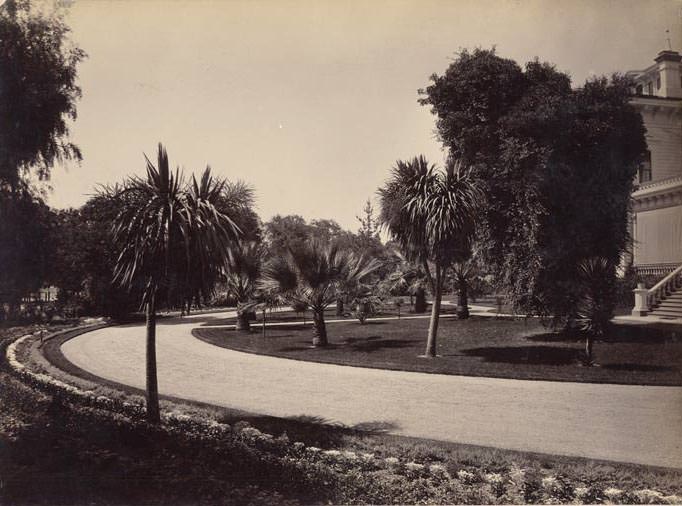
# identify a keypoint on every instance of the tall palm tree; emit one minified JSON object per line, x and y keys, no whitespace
{"x":242,"y":271}
{"x":160,"y":226}
{"x":430,"y":213}
{"x":310,"y":275}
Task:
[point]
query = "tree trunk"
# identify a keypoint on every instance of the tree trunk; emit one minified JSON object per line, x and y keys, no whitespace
{"x":463,"y":299}
{"x":339,"y":306}
{"x":588,"y":349}
{"x":243,"y":321}
{"x":153,"y":415}
{"x":263,"y":322}
{"x":435,"y":314}
{"x":320,"y":337}
{"x":420,"y":301}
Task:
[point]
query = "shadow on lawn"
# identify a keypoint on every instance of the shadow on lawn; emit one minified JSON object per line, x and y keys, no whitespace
{"x":619,"y":333}
{"x":355,"y":344}
{"x":536,"y":355}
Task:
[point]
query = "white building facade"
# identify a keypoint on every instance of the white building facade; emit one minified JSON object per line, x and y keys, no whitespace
{"x":657,"y":199}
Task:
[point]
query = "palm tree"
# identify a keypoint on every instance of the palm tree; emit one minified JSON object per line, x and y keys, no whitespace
{"x":430,"y":213}
{"x":160,"y":226}
{"x":408,"y":276}
{"x":211,"y":229}
{"x":597,"y":277}
{"x":310,"y":275}
{"x":243,"y":269}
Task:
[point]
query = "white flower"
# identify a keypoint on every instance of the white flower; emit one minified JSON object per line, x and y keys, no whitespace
{"x":465,"y":476}
{"x":313,"y":449}
{"x":413,"y":466}
{"x":332,"y":453}
{"x":672,"y":499}
{"x":350,"y":455}
{"x":494,"y":478}
{"x":648,"y":496}
{"x":391,"y":461}
{"x":613,"y":493}
{"x":367,"y":456}
{"x":298,"y":445}
{"x":550,"y":483}
{"x":581,"y":492}
{"x":437,"y":469}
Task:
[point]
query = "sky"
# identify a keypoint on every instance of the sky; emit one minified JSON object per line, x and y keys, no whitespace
{"x":310,"y":102}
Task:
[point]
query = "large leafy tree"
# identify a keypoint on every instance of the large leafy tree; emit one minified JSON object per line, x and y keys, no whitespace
{"x":310,"y":275}
{"x":162,"y":224}
{"x":431,"y":214}
{"x":557,"y":163}
{"x":38,"y":91}
{"x":26,"y":256}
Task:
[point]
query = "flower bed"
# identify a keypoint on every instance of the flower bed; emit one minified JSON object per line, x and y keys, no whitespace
{"x":272,"y":468}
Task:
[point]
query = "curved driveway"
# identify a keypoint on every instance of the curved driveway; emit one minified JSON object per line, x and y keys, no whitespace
{"x":614,"y":422}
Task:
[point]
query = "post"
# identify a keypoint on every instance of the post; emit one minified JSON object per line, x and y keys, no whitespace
{"x":641,"y":301}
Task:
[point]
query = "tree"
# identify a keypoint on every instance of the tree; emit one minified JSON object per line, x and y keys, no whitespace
{"x":557,"y":164}
{"x":310,"y":275}
{"x":160,"y":225}
{"x":430,"y":213}
{"x":407,"y":277}
{"x":242,"y":271}
{"x":38,"y":91}
{"x":26,"y":256}
{"x":597,"y":275}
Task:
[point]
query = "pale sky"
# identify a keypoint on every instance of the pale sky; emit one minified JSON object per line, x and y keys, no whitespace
{"x":311,"y":102}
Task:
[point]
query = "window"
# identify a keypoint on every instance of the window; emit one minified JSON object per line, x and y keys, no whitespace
{"x":639,"y":90}
{"x":650,"y":88}
{"x":645,"y":168}
{"x":658,"y":83}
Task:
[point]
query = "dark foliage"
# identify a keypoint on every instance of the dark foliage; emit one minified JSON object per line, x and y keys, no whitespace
{"x":558,"y":164}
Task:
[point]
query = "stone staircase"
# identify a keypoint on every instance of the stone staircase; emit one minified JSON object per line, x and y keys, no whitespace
{"x":670,"y":306}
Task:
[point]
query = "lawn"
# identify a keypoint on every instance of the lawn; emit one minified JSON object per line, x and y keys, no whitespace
{"x":479,"y":346}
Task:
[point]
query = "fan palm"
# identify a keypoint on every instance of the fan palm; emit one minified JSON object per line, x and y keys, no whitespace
{"x":161,"y":226}
{"x":408,"y":276}
{"x":310,"y":275}
{"x":243,"y":269}
{"x":430,"y":213}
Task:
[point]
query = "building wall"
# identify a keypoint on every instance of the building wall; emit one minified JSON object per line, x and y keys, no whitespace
{"x":664,"y":140}
{"x":658,"y":236}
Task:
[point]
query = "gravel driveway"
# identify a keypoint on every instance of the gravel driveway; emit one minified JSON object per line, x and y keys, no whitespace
{"x":639,"y":424}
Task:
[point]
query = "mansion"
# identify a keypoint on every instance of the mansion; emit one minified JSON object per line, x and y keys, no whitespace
{"x":657,"y":199}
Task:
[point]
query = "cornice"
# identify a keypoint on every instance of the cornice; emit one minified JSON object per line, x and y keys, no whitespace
{"x":658,"y":194}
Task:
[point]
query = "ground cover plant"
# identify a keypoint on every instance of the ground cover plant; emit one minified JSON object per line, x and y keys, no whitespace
{"x":106,"y":453}
{"x":481,"y":346}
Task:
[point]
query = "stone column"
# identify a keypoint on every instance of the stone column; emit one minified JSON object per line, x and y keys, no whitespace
{"x":641,"y":301}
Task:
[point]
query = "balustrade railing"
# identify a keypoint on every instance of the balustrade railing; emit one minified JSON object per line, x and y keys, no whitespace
{"x":665,"y":287}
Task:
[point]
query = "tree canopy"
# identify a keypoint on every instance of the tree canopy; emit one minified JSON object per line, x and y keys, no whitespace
{"x":38,"y":91}
{"x":557,"y":163}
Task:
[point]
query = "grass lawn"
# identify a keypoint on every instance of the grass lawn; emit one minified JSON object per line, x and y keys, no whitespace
{"x":479,"y":346}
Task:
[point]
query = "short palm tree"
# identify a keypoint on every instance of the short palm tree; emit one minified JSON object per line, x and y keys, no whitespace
{"x":597,"y":277}
{"x":242,"y":271}
{"x":430,"y":213}
{"x":408,"y":276}
{"x":161,"y":225}
{"x":310,"y":275}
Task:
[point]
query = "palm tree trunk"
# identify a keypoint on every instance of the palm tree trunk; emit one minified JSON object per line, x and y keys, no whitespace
{"x":462,"y":299}
{"x":435,"y":314}
{"x":153,"y":415}
{"x":420,"y":300}
{"x":588,"y":349}
{"x":339,"y":306}
{"x":243,"y":321}
{"x":320,"y":337}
